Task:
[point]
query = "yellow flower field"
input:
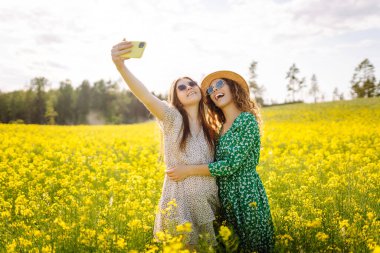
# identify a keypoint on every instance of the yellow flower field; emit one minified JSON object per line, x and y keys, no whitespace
{"x":96,"y":188}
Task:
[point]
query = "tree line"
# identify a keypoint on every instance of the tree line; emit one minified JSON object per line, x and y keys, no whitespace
{"x":103,"y":102}
{"x":363,"y":85}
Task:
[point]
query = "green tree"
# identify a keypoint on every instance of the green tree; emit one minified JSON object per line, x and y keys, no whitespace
{"x":336,"y":94}
{"x":255,"y":88}
{"x":363,"y":83}
{"x":29,"y":100}
{"x":17,"y":108}
{"x":83,"y":102}
{"x":4,"y":105}
{"x":295,"y":84}
{"x":314,"y":88}
{"x":50,"y":114}
{"x":65,"y":103}
{"x":111,"y":110}
{"x":98,"y":98}
{"x":38,"y":86}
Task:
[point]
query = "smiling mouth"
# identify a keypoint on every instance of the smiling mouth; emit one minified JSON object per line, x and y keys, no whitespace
{"x":191,"y":93}
{"x":218,"y":96}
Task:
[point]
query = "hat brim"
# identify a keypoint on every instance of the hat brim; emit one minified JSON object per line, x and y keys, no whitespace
{"x":223,"y":74}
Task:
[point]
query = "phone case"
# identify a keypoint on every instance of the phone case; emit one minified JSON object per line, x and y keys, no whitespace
{"x":137,"y":50}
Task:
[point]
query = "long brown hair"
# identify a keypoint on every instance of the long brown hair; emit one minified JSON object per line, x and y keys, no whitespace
{"x":242,"y":100}
{"x":208,"y":131}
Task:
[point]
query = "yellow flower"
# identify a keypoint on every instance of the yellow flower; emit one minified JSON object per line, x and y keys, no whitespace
{"x":152,"y":249}
{"x":37,"y":233}
{"x":344,"y":224}
{"x":160,"y":235}
{"x":101,"y":179}
{"x":12,"y":247}
{"x":185,"y":227}
{"x":377,"y":249}
{"x":314,"y":224}
{"x":24,"y":242}
{"x":120,"y":243}
{"x":253,"y":204}
{"x":225,"y":233}
{"x":47,"y":249}
{"x":370,"y":215}
{"x":172,"y":203}
{"x":5,"y":214}
{"x":322,"y":236}
{"x":135,"y":223}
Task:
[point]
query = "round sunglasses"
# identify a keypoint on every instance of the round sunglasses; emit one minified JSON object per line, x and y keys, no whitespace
{"x":219,"y":84}
{"x":182,"y":87}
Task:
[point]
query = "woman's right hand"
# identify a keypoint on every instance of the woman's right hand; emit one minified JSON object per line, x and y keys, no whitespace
{"x":118,"y":50}
{"x":151,"y":102}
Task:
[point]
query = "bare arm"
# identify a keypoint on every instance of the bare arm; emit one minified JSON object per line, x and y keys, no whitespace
{"x":151,"y":102}
{"x":180,"y":172}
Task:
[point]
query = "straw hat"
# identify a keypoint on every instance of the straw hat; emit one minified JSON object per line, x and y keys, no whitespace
{"x":223,"y":74}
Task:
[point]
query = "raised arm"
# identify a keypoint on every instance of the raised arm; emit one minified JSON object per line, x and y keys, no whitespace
{"x":151,"y":102}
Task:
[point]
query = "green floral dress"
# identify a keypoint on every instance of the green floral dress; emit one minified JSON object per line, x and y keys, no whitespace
{"x":244,"y":201}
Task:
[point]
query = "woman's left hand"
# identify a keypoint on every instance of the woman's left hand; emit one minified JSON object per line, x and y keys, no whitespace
{"x":178,"y":173}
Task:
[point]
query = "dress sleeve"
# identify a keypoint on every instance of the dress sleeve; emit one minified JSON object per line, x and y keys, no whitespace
{"x":170,"y":116}
{"x":244,"y":144}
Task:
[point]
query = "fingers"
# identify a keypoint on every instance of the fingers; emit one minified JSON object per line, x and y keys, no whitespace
{"x":169,"y":172}
{"x":119,"y":52}
{"x":123,"y":45}
{"x":120,"y":49}
{"x":176,"y":179}
{"x":172,"y":175}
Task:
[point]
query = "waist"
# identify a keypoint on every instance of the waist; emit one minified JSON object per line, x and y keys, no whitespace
{"x":244,"y":173}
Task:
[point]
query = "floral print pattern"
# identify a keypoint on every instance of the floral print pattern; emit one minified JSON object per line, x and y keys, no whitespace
{"x":243,"y":198}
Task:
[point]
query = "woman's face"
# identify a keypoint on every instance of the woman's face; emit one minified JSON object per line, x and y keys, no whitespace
{"x":188,"y":92}
{"x":221,"y":94}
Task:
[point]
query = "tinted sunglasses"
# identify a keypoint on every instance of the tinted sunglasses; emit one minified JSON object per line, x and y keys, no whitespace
{"x":219,"y":84}
{"x":182,"y":87}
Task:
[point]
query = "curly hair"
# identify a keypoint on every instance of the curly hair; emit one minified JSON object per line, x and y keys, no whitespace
{"x":242,"y":100}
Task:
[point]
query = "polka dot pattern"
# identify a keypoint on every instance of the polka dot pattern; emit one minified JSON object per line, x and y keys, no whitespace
{"x":197,"y":196}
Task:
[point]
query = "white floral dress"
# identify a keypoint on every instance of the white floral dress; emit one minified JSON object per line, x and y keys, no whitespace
{"x":196,"y":197}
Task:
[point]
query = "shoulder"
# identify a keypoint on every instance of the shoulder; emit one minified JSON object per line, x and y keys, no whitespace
{"x":247,"y":124}
{"x":171,"y":109}
{"x":172,"y":117}
{"x":247,"y":119}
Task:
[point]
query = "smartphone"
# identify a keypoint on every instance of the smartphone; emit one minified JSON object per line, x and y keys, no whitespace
{"x":137,"y":50}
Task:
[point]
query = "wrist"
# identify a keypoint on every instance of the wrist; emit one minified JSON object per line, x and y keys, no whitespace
{"x":120,"y":67}
{"x":189,"y":171}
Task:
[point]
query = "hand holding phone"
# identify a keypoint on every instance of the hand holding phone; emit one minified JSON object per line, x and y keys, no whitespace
{"x":137,"y":50}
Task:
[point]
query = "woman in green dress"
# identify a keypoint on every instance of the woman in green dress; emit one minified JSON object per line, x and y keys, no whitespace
{"x":244,"y":201}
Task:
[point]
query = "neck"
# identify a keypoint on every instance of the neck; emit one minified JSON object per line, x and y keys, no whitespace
{"x":231,"y":112}
{"x":192,"y":112}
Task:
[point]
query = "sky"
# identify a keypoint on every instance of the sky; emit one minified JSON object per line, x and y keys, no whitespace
{"x":72,"y":40}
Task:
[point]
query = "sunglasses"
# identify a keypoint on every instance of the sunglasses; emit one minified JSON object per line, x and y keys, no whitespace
{"x":219,"y":84}
{"x":183,"y":87}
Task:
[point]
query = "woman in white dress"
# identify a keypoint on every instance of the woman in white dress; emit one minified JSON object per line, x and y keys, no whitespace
{"x":188,"y":139}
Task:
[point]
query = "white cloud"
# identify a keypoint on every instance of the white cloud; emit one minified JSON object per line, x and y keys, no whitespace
{"x":72,"y":39}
